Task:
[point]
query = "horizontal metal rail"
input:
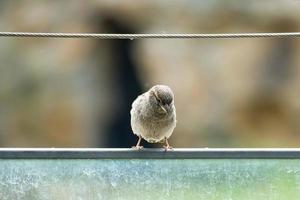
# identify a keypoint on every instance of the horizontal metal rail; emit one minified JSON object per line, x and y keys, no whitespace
{"x":180,"y":153}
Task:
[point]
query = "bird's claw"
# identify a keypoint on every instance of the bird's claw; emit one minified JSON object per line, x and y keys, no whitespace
{"x":168,"y":148}
{"x":137,"y":147}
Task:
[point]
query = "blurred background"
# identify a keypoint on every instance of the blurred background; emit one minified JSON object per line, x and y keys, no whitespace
{"x":78,"y":92}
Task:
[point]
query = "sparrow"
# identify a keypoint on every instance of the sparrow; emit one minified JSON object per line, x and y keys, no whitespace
{"x":153,"y":116}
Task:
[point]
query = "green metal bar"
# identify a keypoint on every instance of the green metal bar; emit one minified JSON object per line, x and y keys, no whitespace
{"x":154,"y":153}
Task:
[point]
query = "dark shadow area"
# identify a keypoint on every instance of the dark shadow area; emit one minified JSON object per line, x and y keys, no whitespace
{"x":127,"y":86}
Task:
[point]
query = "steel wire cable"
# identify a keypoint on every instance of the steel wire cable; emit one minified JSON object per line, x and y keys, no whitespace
{"x":150,"y":35}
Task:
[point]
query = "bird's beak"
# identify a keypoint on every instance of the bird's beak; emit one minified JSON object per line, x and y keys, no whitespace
{"x":163,"y":108}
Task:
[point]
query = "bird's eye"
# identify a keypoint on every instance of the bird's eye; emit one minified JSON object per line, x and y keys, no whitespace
{"x":157,"y":99}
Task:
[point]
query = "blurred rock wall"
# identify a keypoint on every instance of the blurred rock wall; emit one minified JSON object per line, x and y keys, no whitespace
{"x":228,"y":92}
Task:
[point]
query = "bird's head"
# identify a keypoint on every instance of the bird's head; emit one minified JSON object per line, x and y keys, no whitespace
{"x":162,"y":98}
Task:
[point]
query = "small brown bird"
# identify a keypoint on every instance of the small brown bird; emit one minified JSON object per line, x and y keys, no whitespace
{"x":153,"y":116}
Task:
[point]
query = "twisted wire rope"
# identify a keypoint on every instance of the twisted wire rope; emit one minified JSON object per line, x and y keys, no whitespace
{"x":150,"y":35}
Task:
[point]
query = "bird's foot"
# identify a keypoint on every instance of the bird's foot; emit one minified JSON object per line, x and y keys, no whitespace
{"x":167,"y":148}
{"x":137,"y":147}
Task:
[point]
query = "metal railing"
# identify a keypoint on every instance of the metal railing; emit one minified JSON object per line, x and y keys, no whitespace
{"x":153,"y":153}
